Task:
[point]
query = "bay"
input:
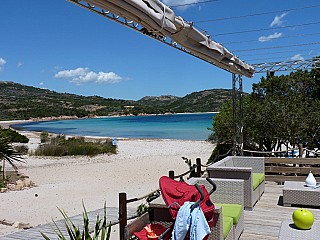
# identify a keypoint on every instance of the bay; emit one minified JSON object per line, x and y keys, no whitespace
{"x":171,"y":126}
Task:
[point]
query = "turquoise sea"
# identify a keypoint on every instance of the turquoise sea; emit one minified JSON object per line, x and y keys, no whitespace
{"x":173,"y":126}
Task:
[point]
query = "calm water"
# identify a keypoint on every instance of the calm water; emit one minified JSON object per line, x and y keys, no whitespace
{"x":177,"y":126}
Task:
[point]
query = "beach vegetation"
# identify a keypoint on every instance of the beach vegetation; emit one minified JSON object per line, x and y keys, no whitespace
{"x":21,"y":149}
{"x":13,"y":136}
{"x":10,"y":155}
{"x":60,"y":146}
{"x":44,"y":137}
{"x":2,"y":180}
{"x":281,"y":110}
{"x":144,"y":207}
{"x":101,"y":230}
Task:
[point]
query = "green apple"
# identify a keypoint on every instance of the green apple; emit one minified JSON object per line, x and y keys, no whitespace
{"x":302,"y":218}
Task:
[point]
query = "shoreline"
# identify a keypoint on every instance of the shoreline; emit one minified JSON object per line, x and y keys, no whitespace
{"x":11,"y":124}
{"x":8,"y":123}
{"x":65,"y":182}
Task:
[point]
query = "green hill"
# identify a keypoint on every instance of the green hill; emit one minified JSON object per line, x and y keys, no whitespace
{"x":204,"y":101}
{"x":18,"y":101}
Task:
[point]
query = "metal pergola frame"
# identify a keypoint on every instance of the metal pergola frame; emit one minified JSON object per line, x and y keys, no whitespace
{"x":237,"y":114}
{"x":136,"y":27}
{"x":287,"y":65}
{"x":237,"y":89}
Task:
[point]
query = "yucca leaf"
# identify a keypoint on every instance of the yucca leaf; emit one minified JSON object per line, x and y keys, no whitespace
{"x":44,"y":236}
{"x":86,"y":225}
{"x":71,"y":234}
{"x":97,"y":228}
{"x":104,"y":223}
{"x":71,"y":228}
{"x":58,"y":231}
{"x":109,"y":232}
{"x":76,"y":234}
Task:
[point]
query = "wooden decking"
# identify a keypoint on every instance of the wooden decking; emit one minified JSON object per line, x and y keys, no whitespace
{"x":34,"y":233}
{"x":265,"y":220}
{"x":262,"y":223}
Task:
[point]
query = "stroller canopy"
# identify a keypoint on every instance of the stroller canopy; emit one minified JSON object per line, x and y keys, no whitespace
{"x":175,"y":194}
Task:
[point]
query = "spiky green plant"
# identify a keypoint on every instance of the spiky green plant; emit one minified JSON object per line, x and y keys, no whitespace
{"x":101,"y":230}
{"x":8,"y":154}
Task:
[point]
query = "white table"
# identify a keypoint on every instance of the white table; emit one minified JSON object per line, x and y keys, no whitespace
{"x":297,"y":193}
{"x":288,"y":231}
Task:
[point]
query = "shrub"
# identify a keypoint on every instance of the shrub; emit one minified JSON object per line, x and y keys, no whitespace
{"x":21,"y":149}
{"x":59,"y":146}
{"x":13,"y":136}
{"x":44,"y":137}
{"x":9,"y":154}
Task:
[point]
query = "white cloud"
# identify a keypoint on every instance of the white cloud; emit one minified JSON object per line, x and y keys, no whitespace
{"x":19,"y":64}
{"x":81,"y":76}
{"x":277,"y":21}
{"x":41,"y":84}
{"x":296,"y":57}
{"x":2,"y":63}
{"x":270,"y":37}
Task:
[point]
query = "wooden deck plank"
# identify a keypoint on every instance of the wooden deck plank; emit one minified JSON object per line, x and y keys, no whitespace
{"x":265,"y":220}
{"x":34,"y":233}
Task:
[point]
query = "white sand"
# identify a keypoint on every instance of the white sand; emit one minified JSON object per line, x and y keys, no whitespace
{"x":66,"y":182}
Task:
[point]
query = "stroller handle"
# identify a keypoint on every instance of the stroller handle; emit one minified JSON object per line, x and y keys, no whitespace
{"x":201,"y":197}
{"x":200,"y":191}
{"x":214,"y":186}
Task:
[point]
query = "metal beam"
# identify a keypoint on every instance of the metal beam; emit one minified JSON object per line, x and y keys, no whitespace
{"x":130,"y":24}
{"x":287,"y":65}
{"x":208,"y":50}
{"x":237,"y":104}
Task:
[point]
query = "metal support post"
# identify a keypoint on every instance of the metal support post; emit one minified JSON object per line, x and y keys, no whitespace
{"x":237,"y":103}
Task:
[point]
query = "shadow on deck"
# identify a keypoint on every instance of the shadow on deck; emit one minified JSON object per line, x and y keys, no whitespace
{"x":265,"y":220}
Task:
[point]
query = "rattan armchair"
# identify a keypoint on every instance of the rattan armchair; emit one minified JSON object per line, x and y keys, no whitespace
{"x":228,"y":191}
{"x":240,"y":167}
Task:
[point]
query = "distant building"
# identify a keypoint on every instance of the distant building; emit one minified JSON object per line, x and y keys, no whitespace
{"x":129,"y":107}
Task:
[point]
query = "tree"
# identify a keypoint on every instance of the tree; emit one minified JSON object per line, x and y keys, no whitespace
{"x":8,"y":154}
{"x":280,"y":110}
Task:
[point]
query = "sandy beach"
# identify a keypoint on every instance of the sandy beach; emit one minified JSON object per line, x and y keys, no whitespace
{"x":67,"y":181}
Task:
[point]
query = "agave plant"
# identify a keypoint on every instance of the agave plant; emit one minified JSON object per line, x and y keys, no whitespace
{"x":101,"y":230}
{"x":8,"y":154}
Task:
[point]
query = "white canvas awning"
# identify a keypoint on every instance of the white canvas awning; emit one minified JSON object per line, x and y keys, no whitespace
{"x":159,"y":19}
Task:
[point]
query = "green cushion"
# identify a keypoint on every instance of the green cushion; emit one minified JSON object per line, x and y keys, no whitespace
{"x":258,"y":178}
{"x":227,"y":225}
{"x":231,"y":210}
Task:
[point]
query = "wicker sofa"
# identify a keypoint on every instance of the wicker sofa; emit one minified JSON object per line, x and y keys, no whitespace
{"x":228,"y":191}
{"x":250,"y":169}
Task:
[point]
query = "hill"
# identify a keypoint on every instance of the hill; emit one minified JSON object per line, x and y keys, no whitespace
{"x":204,"y":101}
{"x":19,"y":101}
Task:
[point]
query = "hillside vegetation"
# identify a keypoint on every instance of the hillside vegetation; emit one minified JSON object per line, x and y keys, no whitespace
{"x":18,"y":101}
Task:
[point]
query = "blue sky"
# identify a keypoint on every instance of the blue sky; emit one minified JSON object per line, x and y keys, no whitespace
{"x":62,"y":47}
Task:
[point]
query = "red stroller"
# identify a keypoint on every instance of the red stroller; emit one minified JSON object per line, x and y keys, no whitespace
{"x":175,"y":194}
